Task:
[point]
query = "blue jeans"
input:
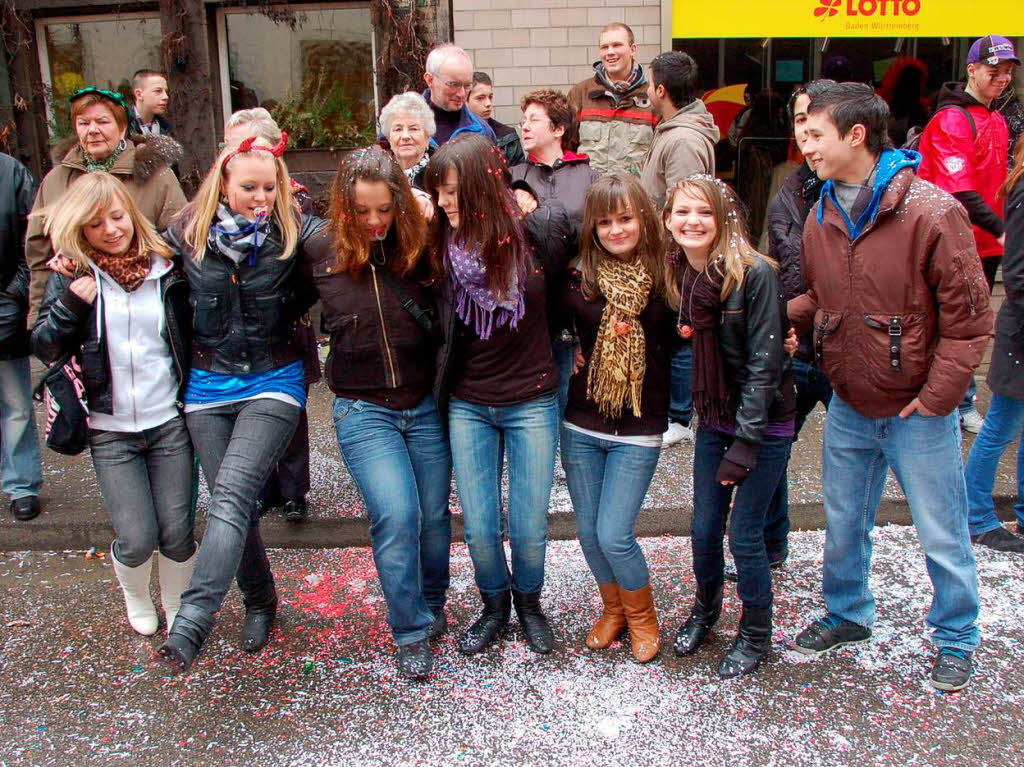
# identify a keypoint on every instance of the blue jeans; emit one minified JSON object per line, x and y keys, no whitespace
{"x":711,"y":501}
{"x":238,"y":445}
{"x":607,"y":483}
{"x":146,"y":480}
{"x":529,"y":430}
{"x":563,"y":354}
{"x":1004,"y":421}
{"x":924,"y":453}
{"x":812,"y":387}
{"x":21,"y":468}
{"x":399,"y":460}
{"x":680,"y":407}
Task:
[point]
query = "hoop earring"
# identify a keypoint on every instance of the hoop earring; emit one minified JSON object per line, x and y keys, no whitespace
{"x":123,"y":144}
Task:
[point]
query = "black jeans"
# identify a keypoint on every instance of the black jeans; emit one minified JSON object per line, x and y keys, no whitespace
{"x":289,"y":480}
{"x":237,"y":445}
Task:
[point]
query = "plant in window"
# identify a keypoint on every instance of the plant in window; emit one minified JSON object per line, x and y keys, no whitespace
{"x":328,"y":111}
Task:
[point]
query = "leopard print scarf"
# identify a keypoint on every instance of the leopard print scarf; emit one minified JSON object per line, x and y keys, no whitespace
{"x":128,"y":270}
{"x":617,"y":363}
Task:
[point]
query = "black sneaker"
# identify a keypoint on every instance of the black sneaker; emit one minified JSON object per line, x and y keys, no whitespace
{"x":1000,"y":539}
{"x":415,"y":660}
{"x":952,"y":669}
{"x":830,"y":632}
{"x":296,"y":510}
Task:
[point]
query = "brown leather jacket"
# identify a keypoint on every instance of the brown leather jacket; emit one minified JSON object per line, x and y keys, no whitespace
{"x":903,"y":310}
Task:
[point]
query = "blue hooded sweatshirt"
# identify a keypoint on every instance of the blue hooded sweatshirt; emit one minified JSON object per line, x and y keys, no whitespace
{"x":890,"y":162}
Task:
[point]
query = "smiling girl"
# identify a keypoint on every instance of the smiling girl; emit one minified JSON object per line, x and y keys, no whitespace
{"x":237,"y":241}
{"x":731,"y":305}
{"x":618,"y":401}
{"x":124,"y":313}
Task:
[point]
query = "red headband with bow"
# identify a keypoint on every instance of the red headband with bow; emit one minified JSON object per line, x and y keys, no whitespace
{"x":250,"y":145}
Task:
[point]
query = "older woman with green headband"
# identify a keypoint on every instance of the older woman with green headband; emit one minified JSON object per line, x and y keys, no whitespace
{"x":142,"y":163}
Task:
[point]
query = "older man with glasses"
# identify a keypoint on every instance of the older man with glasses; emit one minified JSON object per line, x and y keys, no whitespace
{"x":449,"y":79}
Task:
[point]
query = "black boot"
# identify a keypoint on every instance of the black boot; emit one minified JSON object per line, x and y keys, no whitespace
{"x":415,"y":660}
{"x":533,"y":622}
{"x":440,"y":625}
{"x":751,"y":645}
{"x":707,"y":606}
{"x":177,"y":652}
{"x":492,"y":622}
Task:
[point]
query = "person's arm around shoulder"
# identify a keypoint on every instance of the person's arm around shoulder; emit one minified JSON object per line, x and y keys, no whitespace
{"x":802,"y":308}
{"x":954,"y":273}
{"x":65,"y":305}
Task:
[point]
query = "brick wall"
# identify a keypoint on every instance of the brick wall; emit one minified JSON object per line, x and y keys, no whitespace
{"x":528,"y":44}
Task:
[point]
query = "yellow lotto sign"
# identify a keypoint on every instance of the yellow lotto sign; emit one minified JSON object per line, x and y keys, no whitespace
{"x":847,"y":18}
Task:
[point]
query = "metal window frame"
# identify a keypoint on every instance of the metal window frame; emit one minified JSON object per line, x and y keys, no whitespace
{"x":224,"y":66}
{"x":43,"y":50}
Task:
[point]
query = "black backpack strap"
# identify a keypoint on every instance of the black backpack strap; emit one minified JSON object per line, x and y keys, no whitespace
{"x":965,"y":113}
{"x":419,"y":314}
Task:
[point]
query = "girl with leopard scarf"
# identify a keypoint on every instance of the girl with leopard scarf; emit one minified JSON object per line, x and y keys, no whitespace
{"x":618,"y":400}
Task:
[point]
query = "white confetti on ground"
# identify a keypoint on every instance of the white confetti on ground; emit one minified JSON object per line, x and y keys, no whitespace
{"x":325,"y":692}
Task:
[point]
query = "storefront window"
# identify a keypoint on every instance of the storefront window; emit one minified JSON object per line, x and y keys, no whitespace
{"x":104,"y":52}
{"x":316,"y":78}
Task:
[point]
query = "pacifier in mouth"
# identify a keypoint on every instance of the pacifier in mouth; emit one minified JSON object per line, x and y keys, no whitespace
{"x":260,"y":211}
{"x":379,"y":233}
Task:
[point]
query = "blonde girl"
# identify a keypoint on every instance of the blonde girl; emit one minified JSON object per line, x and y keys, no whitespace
{"x":124,"y":313}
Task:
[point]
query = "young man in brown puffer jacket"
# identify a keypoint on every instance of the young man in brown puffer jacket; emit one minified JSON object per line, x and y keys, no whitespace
{"x":900,"y":313}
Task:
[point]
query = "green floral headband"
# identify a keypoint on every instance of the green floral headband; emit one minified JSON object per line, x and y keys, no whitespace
{"x":114,"y":96}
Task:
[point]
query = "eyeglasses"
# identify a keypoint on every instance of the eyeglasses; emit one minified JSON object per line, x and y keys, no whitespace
{"x":114,"y":96}
{"x":457,"y":86}
{"x":535,"y":121}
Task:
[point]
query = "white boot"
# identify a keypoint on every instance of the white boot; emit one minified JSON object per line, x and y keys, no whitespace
{"x":174,"y":578}
{"x":135,"y":585}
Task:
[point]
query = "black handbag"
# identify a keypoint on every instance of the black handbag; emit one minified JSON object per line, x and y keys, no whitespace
{"x":62,"y":391}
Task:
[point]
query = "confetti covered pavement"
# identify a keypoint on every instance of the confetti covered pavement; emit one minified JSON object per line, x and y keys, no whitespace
{"x":78,"y":688}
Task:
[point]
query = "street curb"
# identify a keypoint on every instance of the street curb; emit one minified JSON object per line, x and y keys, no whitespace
{"x":56,"y":534}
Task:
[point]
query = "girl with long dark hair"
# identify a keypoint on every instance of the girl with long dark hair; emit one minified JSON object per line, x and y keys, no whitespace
{"x":496,"y":373}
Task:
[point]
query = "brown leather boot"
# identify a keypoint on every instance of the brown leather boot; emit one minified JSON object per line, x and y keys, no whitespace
{"x":612,"y":620}
{"x":643,"y":622}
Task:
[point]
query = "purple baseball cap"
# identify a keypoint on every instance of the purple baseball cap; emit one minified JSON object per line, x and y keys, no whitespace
{"x":991,"y":50}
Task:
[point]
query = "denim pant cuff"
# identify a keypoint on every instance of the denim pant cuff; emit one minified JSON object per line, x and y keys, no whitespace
{"x":985,"y":527}
{"x":405,"y":639}
{"x":966,"y":646}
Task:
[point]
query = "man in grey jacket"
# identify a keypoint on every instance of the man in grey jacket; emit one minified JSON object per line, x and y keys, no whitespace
{"x":686,"y":134}
{"x":684,"y":144}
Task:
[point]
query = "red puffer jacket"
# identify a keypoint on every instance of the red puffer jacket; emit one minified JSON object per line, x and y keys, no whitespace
{"x":959,"y":159}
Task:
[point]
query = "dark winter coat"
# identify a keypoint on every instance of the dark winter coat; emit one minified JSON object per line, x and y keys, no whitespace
{"x":1006,"y":372}
{"x":67,"y":324}
{"x":246,"y":318}
{"x":379,"y":353}
{"x":785,"y":219}
{"x":757,"y":368}
{"x":17,"y":190}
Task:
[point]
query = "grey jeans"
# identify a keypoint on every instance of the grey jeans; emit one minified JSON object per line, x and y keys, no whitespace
{"x":146,"y":479}
{"x":237,"y":444}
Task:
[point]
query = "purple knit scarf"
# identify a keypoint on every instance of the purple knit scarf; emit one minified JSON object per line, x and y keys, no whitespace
{"x":475,"y":304}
